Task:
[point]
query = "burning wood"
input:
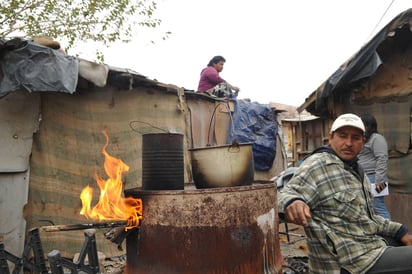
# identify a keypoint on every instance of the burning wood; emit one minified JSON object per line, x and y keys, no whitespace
{"x":117,"y":235}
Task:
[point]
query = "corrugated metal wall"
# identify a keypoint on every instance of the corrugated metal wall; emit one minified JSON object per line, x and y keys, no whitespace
{"x":19,"y":119}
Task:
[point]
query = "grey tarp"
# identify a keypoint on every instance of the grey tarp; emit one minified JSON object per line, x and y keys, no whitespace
{"x":36,"y":68}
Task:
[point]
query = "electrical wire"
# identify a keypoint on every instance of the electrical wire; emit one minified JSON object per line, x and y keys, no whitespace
{"x":380,"y":20}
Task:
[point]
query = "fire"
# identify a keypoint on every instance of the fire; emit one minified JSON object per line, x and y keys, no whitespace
{"x":112,"y":205}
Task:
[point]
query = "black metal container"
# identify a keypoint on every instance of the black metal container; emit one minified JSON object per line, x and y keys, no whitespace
{"x":162,"y":161}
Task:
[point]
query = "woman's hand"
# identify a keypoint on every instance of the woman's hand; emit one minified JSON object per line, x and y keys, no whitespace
{"x":235,"y":88}
{"x":379,"y":187}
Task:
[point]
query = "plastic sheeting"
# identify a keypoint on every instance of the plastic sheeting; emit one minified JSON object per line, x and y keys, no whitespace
{"x":257,"y":124}
{"x":36,"y":68}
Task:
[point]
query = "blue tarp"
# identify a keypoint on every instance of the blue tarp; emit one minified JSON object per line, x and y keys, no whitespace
{"x":257,"y":124}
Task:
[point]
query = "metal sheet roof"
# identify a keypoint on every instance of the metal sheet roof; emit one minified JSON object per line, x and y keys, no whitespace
{"x":399,"y":28}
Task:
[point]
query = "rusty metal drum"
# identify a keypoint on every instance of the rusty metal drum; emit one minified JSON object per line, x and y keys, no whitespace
{"x":217,"y":230}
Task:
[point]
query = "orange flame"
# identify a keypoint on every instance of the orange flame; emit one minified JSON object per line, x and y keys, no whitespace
{"x":112,"y":205}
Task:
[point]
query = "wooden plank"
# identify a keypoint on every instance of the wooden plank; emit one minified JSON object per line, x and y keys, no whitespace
{"x":398,"y":205}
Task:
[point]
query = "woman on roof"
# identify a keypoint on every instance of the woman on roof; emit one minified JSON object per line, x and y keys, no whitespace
{"x":211,"y":82}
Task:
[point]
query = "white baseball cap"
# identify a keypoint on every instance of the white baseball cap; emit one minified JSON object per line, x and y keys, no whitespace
{"x":348,"y":119}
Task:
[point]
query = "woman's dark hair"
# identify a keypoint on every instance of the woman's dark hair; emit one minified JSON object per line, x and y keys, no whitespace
{"x":371,"y":126}
{"x":216,"y":60}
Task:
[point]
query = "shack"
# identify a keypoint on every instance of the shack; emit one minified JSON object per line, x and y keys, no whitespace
{"x":54,"y":109}
{"x":378,"y":79}
{"x":301,"y":131}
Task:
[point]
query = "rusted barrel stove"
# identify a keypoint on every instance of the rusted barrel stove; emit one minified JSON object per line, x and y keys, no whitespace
{"x":218,"y":230}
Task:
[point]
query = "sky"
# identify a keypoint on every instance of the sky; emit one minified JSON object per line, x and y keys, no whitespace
{"x":275,"y":51}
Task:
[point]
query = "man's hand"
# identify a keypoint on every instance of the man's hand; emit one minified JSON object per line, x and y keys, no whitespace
{"x":406,"y":239}
{"x":298,"y":213}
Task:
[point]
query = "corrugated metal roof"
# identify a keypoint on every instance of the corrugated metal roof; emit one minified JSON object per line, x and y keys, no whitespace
{"x":400,"y":28}
{"x":302,"y":118}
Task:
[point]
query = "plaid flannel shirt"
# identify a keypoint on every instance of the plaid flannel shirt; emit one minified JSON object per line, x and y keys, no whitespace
{"x":343,"y":231}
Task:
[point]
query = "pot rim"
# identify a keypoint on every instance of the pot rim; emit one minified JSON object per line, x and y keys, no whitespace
{"x":220,"y":146}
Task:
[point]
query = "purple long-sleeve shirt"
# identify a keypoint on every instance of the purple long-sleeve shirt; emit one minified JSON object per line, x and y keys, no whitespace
{"x":209,"y":77}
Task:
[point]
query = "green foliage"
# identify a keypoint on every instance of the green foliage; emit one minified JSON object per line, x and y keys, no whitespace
{"x":104,"y":21}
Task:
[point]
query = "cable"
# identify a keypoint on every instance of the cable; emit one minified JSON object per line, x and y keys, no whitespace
{"x":380,"y":20}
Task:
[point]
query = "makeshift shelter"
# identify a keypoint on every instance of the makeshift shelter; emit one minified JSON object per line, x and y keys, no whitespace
{"x":377,"y":79}
{"x":54,"y":109}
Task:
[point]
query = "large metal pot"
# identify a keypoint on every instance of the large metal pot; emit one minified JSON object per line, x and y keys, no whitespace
{"x":222,"y":166}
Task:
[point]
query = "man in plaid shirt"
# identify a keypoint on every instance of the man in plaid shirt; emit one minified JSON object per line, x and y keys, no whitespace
{"x":331,"y":197}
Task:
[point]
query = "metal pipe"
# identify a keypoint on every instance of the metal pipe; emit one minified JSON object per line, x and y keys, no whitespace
{"x":55,"y":228}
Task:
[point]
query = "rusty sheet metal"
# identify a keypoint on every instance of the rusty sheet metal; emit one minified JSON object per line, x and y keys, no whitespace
{"x":19,"y":119}
{"x":220,"y":230}
{"x":14,"y":188}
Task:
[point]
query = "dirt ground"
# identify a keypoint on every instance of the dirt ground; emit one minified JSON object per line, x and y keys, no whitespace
{"x":296,"y":246}
{"x":293,"y":248}
{"x":114,"y":265}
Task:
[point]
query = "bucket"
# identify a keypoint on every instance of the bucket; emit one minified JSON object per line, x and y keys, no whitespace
{"x":162,"y":161}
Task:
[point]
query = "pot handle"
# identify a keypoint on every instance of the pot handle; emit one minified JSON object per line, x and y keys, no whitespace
{"x":234,"y":141}
{"x":234,"y":147}
{"x":152,"y":126}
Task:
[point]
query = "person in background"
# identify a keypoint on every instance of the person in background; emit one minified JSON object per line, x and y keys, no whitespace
{"x":212,"y":83}
{"x":374,"y":160}
{"x":330,"y":196}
